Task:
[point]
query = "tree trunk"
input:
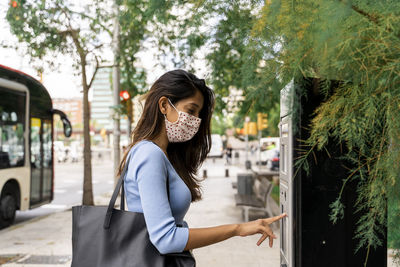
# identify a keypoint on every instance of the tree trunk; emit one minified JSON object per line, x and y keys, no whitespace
{"x":87,"y":198}
{"x":116,"y":89}
{"x":129,"y":128}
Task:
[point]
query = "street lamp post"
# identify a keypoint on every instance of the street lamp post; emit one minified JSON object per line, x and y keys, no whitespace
{"x":116,"y":89}
{"x":247,"y":120}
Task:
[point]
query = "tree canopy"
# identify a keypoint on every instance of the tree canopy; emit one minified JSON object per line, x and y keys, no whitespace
{"x":83,"y":31}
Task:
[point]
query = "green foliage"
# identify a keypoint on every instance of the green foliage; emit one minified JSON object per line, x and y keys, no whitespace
{"x":52,"y":27}
{"x":337,"y":210}
{"x":236,"y":58}
{"x":134,"y":20}
{"x":218,"y":125}
{"x":357,"y":43}
{"x":275,"y":193}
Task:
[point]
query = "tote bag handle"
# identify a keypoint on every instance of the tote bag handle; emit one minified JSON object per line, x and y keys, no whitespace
{"x":118,"y":187}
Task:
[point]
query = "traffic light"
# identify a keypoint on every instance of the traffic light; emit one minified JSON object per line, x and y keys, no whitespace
{"x":125,"y":95}
{"x":252,"y":128}
{"x":262,"y":121}
{"x":246,"y":128}
{"x":15,"y":5}
{"x":103,"y":133}
{"x":126,"y":98}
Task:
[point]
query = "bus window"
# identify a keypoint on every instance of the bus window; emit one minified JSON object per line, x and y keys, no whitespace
{"x":47,"y":159}
{"x":41,"y":160}
{"x":12,"y":120}
{"x":36,"y":161}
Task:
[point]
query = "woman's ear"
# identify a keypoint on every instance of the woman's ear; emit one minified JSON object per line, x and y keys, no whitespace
{"x":163,"y":104}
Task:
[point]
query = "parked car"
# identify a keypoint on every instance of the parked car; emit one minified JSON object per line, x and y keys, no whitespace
{"x":267,"y":143}
{"x":217,"y":148}
{"x":270,"y":158}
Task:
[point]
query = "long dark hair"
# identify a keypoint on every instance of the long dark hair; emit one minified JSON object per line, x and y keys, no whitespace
{"x":186,"y":157}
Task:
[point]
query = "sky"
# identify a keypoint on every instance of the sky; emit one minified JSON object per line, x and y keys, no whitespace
{"x":62,"y":83}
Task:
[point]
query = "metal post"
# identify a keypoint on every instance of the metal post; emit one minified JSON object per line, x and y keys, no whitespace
{"x":259,"y":148}
{"x":116,"y":89}
{"x":247,"y":147}
{"x":247,"y":120}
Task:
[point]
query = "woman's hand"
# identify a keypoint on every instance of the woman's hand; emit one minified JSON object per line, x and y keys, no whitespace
{"x":260,"y":226}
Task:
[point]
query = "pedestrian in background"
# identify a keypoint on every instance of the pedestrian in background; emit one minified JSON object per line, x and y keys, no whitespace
{"x":169,"y":144}
{"x":228,"y":153}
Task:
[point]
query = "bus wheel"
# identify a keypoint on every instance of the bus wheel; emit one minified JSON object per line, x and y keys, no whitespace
{"x":8,"y":207}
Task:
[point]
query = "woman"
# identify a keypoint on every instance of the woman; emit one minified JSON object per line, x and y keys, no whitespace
{"x":169,"y":144}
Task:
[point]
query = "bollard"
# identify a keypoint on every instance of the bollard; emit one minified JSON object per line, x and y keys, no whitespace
{"x":248,"y":164}
{"x":226,"y":172}
{"x":245,"y":183}
{"x":204,"y":173}
{"x":236,"y":157}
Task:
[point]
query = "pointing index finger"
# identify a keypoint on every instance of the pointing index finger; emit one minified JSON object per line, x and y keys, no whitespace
{"x":277,"y":218}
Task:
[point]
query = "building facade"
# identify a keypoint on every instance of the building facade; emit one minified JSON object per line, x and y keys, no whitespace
{"x":137,"y":109}
{"x":102,"y":102}
{"x":73,"y":107}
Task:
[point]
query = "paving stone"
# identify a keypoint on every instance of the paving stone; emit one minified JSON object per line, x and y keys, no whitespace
{"x":46,"y":259}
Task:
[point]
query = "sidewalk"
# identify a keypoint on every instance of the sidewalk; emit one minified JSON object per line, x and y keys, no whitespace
{"x":218,"y":207}
{"x":43,"y":241}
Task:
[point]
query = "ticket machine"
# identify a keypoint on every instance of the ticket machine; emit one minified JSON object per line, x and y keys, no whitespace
{"x":285,"y":183}
{"x":307,"y":236}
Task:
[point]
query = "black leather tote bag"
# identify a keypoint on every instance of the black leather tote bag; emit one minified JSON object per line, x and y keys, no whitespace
{"x":107,"y":237}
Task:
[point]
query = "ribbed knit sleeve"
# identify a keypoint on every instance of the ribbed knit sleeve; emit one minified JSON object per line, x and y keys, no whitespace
{"x":149,"y":168}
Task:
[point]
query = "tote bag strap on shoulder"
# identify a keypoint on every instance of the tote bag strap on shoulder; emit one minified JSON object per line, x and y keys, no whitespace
{"x":107,"y":219}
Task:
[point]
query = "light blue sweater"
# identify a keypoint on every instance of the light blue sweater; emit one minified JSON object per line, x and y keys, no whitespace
{"x":146,"y":192}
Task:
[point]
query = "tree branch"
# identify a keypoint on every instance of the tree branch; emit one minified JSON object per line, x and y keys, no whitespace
{"x":95,"y":71}
{"x":373,"y":18}
{"x":96,"y":47}
{"x":108,"y":66}
{"x":91,"y":18}
{"x":370,"y":17}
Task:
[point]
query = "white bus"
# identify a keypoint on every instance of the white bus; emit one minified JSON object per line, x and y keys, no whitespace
{"x":26,"y":144}
{"x":217,"y":148}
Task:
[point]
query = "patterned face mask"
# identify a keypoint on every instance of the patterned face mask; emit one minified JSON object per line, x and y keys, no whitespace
{"x":184,"y":128}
